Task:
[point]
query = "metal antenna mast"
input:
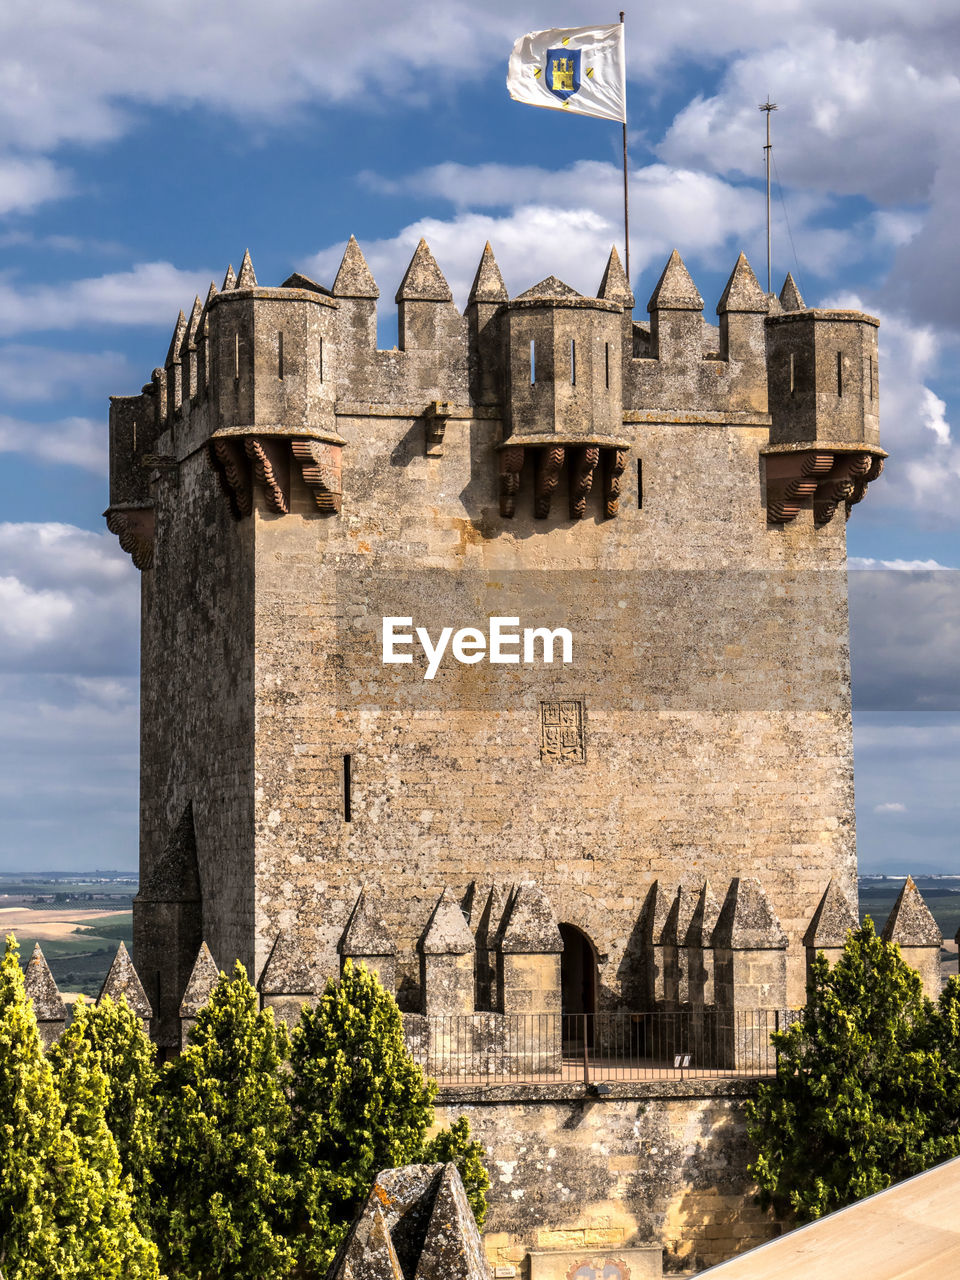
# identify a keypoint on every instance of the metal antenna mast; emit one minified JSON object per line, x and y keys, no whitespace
{"x":768,"y":106}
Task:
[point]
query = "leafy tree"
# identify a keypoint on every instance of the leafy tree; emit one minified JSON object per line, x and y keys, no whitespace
{"x":64,"y":1208}
{"x":222,"y":1197}
{"x":860,"y":1081}
{"x":467,"y":1154}
{"x":360,"y":1104}
{"x":127,"y":1058}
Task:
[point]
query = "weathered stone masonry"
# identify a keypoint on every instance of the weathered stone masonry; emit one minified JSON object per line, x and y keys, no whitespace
{"x":673,"y":492}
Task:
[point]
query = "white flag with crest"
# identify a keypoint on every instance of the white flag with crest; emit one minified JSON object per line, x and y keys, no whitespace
{"x":577,"y":69}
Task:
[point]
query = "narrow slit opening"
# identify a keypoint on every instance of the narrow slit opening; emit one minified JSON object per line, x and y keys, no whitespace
{"x":320,"y":360}
{"x":347,"y":787}
{"x":236,"y":356}
{"x":280,"y":354}
{"x":839,"y":374}
{"x":533,"y":361}
{"x":793,"y":376}
{"x":871,"y":378}
{"x":640,"y":483}
{"x":606,"y":363}
{"x":573,"y":363}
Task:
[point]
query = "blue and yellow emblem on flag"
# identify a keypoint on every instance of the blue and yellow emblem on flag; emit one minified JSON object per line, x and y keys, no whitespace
{"x":562,"y":72}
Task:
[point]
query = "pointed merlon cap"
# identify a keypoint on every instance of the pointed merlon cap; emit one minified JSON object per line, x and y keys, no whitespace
{"x":747,"y":921}
{"x":910,"y":923}
{"x":423,"y":280}
{"x":385,"y":1242}
{"x":743,"y":292}
{"x":176,"y":875}
{"x":204,"y":976}
{"x":287,"y":972}
{"x":705,"y":916}
{"x":299,"y":281}
{"x":447,"y":932}
{"x":246,"y":278}
{"x":654,"y":913}
{"x":366,"y":933}
{"x":452,"y":1248}
{"x":229,"y":280}
{"x":615,"y":287}
{"x":211,"y":294}
{"x":675,"y":290}
{"x":193,"y":324}
{"x":550,"y":289}
{"x":791,"y":299}
{"x":833,"y":919}
{"x":42,"y":991}
{"x":122,"y":980}
{"x":488,"y":283}
{"x":354,"y":278}
{"x":176,"y":342}
{"x":530,"y":927}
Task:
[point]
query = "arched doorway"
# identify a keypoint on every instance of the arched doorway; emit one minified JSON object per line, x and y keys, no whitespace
{"x":578,"y":972}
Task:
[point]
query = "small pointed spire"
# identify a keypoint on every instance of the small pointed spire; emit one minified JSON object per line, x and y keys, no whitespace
{"x":41,"y":988}
{"x":910,"y":923}
{"x":366,"y":933}
{"x":530,"y":927}
{"x":204,"y":976}
{"x":447,"y":932}
{"x":287,"y":972}
{"x":452,"y":1247}
{"x":747,"y":921}
{"x":743,"y":292}
{"x":615,"y":287}
{"x":246,"y":279}
{"x":423,"y":280}
{"x":488,"y":283}
{"x":193,"y":323}
{"x":173,"y":352}
{"x":229,"y":280}
{"x":549,"y":289}
{"x":354,"y":278}
{"x":122,"y":980}
{"x":675,"y":289}
{"x":211,"y":294}
{"x":833,"y":919}
{"x":791,"y":299}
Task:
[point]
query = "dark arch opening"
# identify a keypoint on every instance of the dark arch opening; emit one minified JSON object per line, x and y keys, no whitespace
{"x":578,"y":972}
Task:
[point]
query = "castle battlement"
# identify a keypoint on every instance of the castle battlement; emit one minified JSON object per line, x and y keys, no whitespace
{"x":261,"y":376}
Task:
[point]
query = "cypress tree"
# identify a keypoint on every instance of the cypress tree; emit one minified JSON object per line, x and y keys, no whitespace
{"x":64,"y":1209}
{"x":222,"y":1197}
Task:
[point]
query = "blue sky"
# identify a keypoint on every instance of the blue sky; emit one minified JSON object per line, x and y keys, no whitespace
{"x":145,"y":145}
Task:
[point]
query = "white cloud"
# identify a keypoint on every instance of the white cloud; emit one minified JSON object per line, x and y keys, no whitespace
{"x":26,"y":182}
{"x":867,"y":562}
{"x":74,"y":442}
{"x":149,"y":293}
{"x":69,"y":602}
{"x":42,"y":373}
{"x":892,"y":806}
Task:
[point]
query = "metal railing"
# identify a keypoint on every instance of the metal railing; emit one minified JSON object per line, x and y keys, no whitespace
{"x":589,"y":1048}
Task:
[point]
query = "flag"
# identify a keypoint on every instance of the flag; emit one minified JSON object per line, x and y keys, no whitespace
{"x":578,"y":69}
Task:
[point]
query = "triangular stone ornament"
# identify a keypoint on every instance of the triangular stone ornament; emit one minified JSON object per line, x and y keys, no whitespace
{"x":354,"y":278}
{"x":791,"y":298}
{"x":910,"y":923}
{"x":246,"y":278}
{"x":173,"y":351}
{"x":42,"y":991}
{"x":366,"y":933}
{"x":229,"y":280}
{"x":122,"y":980}
{"x":488,"y":283}
{"x":176,"y":875}
{"x":299,"y":281}
{"x":447,"y":932}
{"x":211,"y":294}
{"x":530,"y":927}
{"x":194,"y":321}
{"x":548,"y":289}
{"x":747,"y":921}
{"x":203,"y":978}
{"x":423,"y":281}
{"x":675,"y":291}
{"x":615,"y":287}
{"x":452,"y":1248}
{"x":833,"y":919}
{"x":743,"y":292}
{"x":387,"y":1239}
{"x":286,"y":972}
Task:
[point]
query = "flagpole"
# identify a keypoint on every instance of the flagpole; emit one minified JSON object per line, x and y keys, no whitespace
{"x":768,"y":106}
{"x":626,"y":186}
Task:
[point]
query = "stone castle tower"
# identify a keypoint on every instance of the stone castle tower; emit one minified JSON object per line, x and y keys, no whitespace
{"x":675,"y":802}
